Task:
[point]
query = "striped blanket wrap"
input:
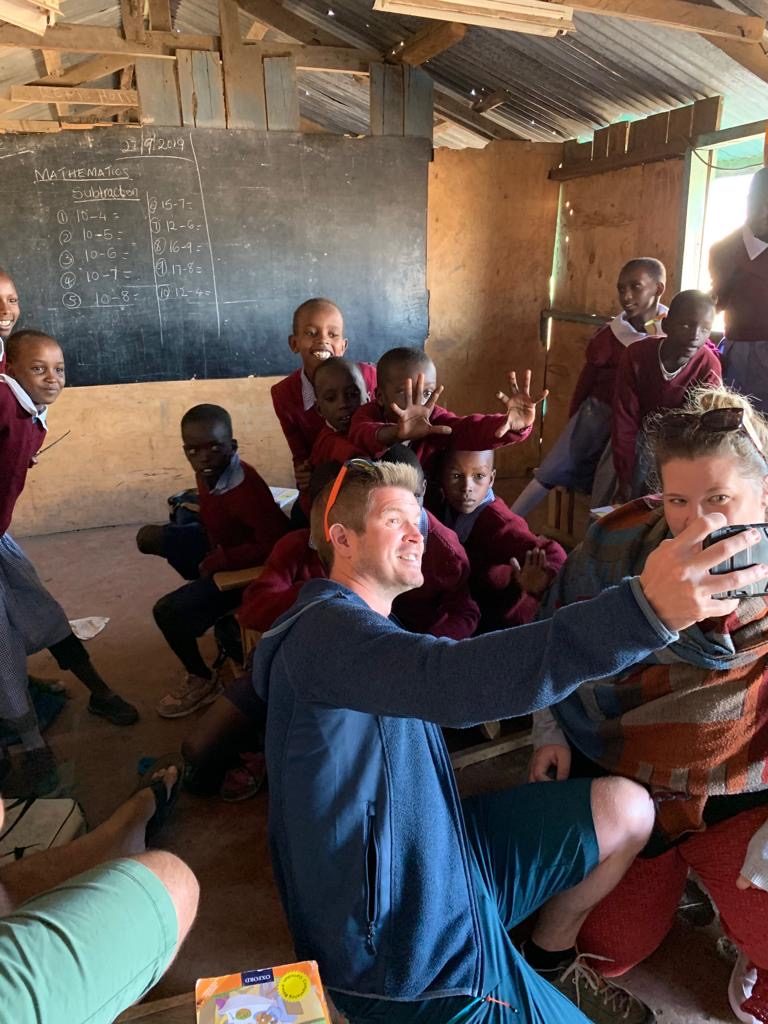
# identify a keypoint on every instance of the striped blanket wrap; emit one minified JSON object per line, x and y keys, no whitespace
{"x":690,"y":723}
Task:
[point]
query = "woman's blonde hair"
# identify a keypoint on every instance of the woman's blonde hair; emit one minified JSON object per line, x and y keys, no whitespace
{"x":677,"y":433}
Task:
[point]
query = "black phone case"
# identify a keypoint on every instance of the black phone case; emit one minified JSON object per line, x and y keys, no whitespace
{"x":755,"y":554}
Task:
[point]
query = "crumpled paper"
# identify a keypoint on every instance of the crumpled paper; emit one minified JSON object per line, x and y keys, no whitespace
{"x":89,"y":627}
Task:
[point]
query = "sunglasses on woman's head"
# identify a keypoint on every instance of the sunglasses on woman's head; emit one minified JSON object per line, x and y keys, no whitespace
{"x":713,"y":421}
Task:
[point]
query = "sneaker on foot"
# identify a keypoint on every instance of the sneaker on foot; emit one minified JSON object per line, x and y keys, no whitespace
{"x":114,"y":709}
{"x":748,"y":992}
{"x":596,"y":997}
{"x":244,"y":781}
{"x":195,"y":692}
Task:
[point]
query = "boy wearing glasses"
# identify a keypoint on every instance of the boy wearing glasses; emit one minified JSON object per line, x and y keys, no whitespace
{"x":242,"y":523}
{"x":656,"y":374}
{"x":30,"y":619}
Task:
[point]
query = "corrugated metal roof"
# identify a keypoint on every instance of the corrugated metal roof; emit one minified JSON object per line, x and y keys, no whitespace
{"x":607,"y":69}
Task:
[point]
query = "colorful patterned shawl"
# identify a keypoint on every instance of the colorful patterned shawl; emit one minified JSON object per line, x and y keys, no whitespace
{"x":690,"y":723}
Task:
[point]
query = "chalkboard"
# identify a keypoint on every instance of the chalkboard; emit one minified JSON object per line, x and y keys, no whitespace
{"x":168,"y":253}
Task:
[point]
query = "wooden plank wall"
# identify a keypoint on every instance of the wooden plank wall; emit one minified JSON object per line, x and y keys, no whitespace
{"x":605,"y":220}
{"x":492,"y":218}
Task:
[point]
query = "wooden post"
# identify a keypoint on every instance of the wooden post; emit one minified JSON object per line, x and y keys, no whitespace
{"x":243,"y":73}
{"x":281,"y":94}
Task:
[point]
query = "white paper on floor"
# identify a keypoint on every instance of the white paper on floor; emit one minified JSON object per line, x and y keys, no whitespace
{"x":88,"y":628}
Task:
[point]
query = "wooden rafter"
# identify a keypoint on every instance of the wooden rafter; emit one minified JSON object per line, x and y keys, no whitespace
{"x":463,"y":115}
{"x":753,"y":58}
{"x":491,"y":101}
{"x":82,"y":97}
{"x":106,"y":41}
{"x":428,"y":43}
{"x":160,"y":15}
{"x":680,"y":14}
{"x":83,"y":72}
{"x":271,"y":13}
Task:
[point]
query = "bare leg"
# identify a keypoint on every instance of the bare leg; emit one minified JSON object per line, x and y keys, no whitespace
{"x":623,"y":815}
{"x":121,"y":835}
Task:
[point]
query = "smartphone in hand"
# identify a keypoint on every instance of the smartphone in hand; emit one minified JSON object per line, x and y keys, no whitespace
{"x":755,"y":554}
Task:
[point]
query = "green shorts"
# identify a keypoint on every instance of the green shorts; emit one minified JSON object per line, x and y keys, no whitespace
{"x":526,"y":845}
{"x":84,"y":951}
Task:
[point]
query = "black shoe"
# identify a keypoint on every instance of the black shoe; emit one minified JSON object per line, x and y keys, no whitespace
{"x":114,"y":709}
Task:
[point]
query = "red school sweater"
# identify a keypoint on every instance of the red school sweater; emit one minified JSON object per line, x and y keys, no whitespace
{"x":291,"y":563}
{"x":641,"y":389}
{"x":330,"y":446}
{"x":301,"y":426}
{"x":740,"y":286}
{"x":442,"y":605}
{"x":601,"y":363}
{"x":475,"y":433}
{"x":498,"y":535}
{"x":21,"y":437}
{"x":243,"y":524}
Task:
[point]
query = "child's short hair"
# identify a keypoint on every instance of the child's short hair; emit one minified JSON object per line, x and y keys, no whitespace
{"x":654,"y":268}
{"x":690,"y":297}
{"x":208,"y":415}
{"x":354,"y":497}
{"x":346,"y":364}
{"x":18,"y":339}
{"x":398,"y":357}
{"x":311,"y":304}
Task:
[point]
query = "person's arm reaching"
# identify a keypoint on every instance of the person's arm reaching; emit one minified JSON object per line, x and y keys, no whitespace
{"x":514,"y":672}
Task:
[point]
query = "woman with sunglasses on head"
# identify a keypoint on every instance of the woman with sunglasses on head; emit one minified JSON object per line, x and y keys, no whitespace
{"x":691,"y":723}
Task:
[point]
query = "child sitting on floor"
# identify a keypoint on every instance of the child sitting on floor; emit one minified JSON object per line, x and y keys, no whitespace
{"x":656,"y":374}
{"x":405,"y":410}
{"x":573,"y":459}
{"x":318,"y":334}
{"x":30,"y":619}
{"x":242,"y":523}
{"x":10,"y":310}
{"x":510,"y":567}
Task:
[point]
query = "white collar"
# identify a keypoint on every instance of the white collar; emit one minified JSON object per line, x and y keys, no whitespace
{"x":755,"y":246}
{"x":665,"y":373}
{"x":25,"y":401}
{"x":308,"y":397}
{"x":625,"y":333}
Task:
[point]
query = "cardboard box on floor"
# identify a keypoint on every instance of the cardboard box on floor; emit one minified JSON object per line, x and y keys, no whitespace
{"x":289,"y":994}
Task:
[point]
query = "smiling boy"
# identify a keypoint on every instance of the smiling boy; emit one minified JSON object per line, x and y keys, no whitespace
{"x":317,"y":335}
{"x":10,"y":310}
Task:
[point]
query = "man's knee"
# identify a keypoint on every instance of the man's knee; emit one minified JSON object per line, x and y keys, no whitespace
{"x":180,"y":884}
{"x":623,"y":814}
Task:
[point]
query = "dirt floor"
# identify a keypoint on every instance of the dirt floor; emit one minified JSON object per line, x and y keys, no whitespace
{"x":240,"y":925}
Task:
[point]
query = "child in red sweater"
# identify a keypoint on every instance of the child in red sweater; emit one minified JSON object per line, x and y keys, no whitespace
{"x":318,"y":334}
{"x":656,"y":374}
{"x":30,"y":619}
{"x":575,"y":459}
{"x":242,"y":523}
{"x":405,"y":410}
{"x":340,"y":390}
{"x":10,"y":311}
{"x":510,"y":567}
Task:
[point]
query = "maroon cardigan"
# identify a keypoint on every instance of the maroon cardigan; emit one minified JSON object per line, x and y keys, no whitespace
{"x":243,"y":524}
{"x":21,"y":437}
{"x":740,"y":286}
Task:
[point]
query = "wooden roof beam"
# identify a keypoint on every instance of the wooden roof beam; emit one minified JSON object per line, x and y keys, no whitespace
{"x":273,"y":14}
{"x":428,"y":43}
{"x":105,"y":41}
{"x":491,"y":101}
{"x":753,"y":58}
{"x":680,"y":14}
{"x":85,"y":71}
{"x":83,"y":97}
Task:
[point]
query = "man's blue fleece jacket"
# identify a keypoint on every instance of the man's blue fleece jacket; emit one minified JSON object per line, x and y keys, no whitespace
{"x":366,"y":829}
